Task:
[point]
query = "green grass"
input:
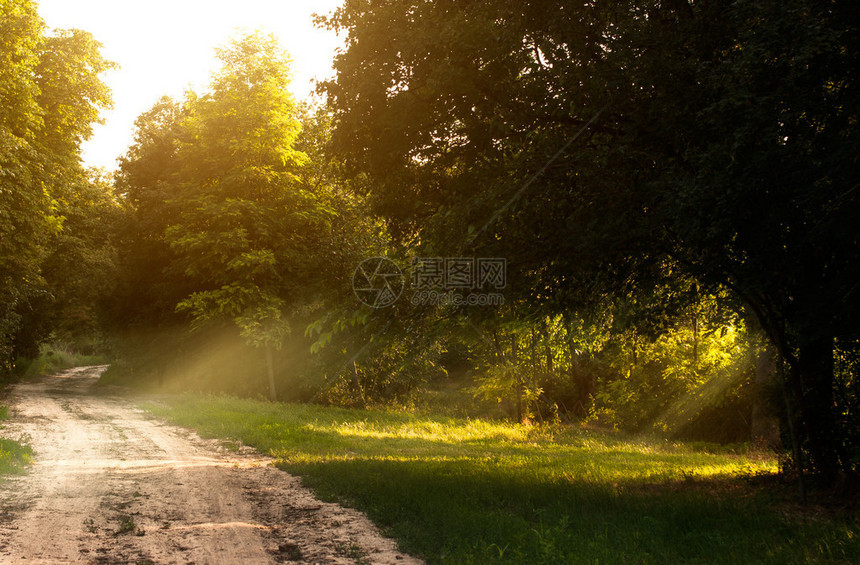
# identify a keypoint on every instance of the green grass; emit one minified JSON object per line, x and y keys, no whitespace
{"x":14,"y":455}
{"x":471,"y":491}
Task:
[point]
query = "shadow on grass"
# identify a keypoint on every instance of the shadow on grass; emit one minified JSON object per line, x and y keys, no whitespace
{"x":467,"y":512}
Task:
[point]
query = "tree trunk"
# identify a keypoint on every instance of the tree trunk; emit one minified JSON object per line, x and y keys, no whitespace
{"x":533,"y":357}
{"x":582,"y":379}
{"x":633,"y":357}
{"x":791,"y":419}
{"x":764,"y":426}
{"x":499,"y":353}
{"x":815,"y":367}
{"x":270,"y":368}
{"x":357,"y":382}
{"x":518,"y":377}
{"x":808,"y":385}
{"x":547,"y":348}
{"x":695,"y":339}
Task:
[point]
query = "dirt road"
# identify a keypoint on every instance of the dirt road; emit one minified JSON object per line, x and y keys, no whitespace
{"x":111,"y":486}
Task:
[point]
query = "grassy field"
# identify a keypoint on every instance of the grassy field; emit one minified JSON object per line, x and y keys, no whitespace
{"x":14,"y":456}
{"x":471,"y":491}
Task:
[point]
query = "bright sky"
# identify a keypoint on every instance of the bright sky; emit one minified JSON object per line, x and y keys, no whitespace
{"x":165,"y":46}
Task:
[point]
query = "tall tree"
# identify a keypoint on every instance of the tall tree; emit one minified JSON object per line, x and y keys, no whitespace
{"x":149,"y":283}
{"x":600,"y":145}
{"x":230,"y":223}
{"x":243,"y":213}
{"x":25,"y":208}
{"x":51,"y":94}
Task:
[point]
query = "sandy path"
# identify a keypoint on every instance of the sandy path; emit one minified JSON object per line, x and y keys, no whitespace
{"x":111,"y":486}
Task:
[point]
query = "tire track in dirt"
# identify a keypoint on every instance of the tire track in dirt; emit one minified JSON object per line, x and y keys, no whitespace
{"x":111,"y":486}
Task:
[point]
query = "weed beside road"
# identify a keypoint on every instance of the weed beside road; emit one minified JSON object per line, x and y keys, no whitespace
{"x":14,"y":455}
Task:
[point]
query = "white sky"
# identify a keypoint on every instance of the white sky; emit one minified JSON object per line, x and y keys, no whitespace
{"x":165,"y":46}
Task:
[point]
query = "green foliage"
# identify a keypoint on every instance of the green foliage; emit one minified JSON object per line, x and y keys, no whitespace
{"x":847,"y":369}
{"x":662,"y":385}
{"x":52,"y":93}
{"x":78,"y":270}
{"x":471,"y":491}
{"x":241,"y":199}
{"x":390,"y":371}
{"x":148,"y":285}
{"x":228,"y":221}
{"x":27,"y":215}
{"x":627,"y":366}
{"x":14,"y":457}
{"x":609,"y":149}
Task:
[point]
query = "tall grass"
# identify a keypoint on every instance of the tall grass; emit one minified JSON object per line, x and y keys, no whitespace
{"x":472,"y":491}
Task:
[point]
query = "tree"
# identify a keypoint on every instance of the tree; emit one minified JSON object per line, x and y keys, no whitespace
{"x":149,"y":285}
{"x":52,"y":93}
{"x":26,"y":209}
{"x":243,"y":214}
{"x":230,"y":222}
{"x":81,"y":267}
{"x":594,"y":144}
